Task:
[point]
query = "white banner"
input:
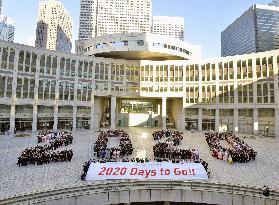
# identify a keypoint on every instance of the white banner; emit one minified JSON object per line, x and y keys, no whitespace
{"x":146,"y":171}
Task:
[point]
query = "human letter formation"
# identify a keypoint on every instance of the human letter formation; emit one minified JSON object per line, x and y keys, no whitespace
{"x":46,"y":154}
{"x":239,"y":151}
{"x":125,"y":146}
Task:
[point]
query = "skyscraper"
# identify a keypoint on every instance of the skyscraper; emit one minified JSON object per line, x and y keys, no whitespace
{"x":168,"y":26}
{"x":256,"y":30}
{"x":54,"y":26}
{"x":100,"y":17}
{"x":7,"y":29}
{"x":0,"y":7}
{"x":274,"y":3}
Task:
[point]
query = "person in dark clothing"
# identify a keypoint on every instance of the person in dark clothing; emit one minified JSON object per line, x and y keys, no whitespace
{"x":45,"y":154}
{"x":266,"y":191}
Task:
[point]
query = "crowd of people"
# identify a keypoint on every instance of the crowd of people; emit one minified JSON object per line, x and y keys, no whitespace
{"x":163,"y":151}
{"x":47,"y":154}
{"x":239,"y":151}
{"x":48,"y":135}
{"x":159,"y":134}
{"x":166,"y":151}
{"x":125,"y":146}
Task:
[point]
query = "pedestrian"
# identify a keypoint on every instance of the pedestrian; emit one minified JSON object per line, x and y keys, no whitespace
{"x":266,"y":191}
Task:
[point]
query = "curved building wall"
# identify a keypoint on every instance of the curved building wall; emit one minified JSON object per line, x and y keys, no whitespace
{"x":141,"y":46}
{"x":59,"y":88}
{"x":157,"y":191}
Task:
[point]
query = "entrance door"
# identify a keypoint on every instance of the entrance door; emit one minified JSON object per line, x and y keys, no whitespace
{"x":208,"y":125}
{"x":22,"y":124}
{"x":65,"y":124}
{"x":150,"y":122}
{"x":4,"y":126}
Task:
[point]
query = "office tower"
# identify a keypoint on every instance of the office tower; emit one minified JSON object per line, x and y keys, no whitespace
{"x":0,"y":7}
{"x":100,"y":17}
{"x":256,"y":30}
{"x":54,"y":27}
{"x":7,"y":29}
{"x":168,"y":26}
{"x":274,"y":3}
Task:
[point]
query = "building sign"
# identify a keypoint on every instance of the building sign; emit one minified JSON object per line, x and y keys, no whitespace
{"x":146,"y":171}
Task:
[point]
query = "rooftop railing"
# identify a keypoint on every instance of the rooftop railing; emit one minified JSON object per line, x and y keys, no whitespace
{"x":106,"y":187}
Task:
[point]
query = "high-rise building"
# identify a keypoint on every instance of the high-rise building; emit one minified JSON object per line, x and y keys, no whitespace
{"x":0,"y":7}
{"x":256,"y":30}
{"x":168,"y":26}
{"x":274,"y":3}
{"x":7,"y":29}
{"x":100,"y":17}
{"x":54,"y":27}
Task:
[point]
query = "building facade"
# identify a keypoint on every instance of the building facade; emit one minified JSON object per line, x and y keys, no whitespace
{"x":168,"y":26}
{"x":0,"y":7}
{"x":138,"y":46}
{"x":54,"y":27}
{"x":7,"y":29}
{"x":274,"y":3}
{"x":101,"y":17}
{"x":256,"y":30}
{"x":46,"y":89}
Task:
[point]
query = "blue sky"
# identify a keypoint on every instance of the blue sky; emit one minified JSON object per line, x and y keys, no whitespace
{"x":204,"y":19}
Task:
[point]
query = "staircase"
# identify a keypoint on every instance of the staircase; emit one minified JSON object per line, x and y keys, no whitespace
{"x":170,"y":120}
{"x":105,"y":118}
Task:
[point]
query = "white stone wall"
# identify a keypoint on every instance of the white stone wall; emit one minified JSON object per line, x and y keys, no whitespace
{"x":139,"y":42}
{"x":176,"y":110}
{"x":160,"y":195}
{"x":98,"y":112}
{"x":38,"y":77}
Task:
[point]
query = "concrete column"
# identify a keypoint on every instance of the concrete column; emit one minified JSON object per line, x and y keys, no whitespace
{"x":255,"y":121}
{"x":217,"y":120}
{"x":235,"y":86}
{"x":35,"y":118}
{"x":13,"y":97}
{"x":92,"y":113}
{"x":200,"y":85}
{"x":217,"y":82}
{"x":183,"y":113}
{"x":57,"y":78}
{"x":276,"y":87}
{"x":168,"y":77}
{"x":109,"y":79}
{"x":200,"y":119}
{"x":254,"y":69}
{"x":112,"y":112}
{"x":159,"y":109}
{"x":76,"y":84}
{"x":12,"y":118}
{"x":74,"y":118}
{"x":55,"y":125}
{"x":276,"y":122}
{"x":235,"y":120}
{"x":164,"y":112}
{"x":36,"y":97}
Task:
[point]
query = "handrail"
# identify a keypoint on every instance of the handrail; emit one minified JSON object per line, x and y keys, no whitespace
{"x":106,"y":186}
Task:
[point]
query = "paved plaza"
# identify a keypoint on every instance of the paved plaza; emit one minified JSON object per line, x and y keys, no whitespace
{"x":17,"y":180}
